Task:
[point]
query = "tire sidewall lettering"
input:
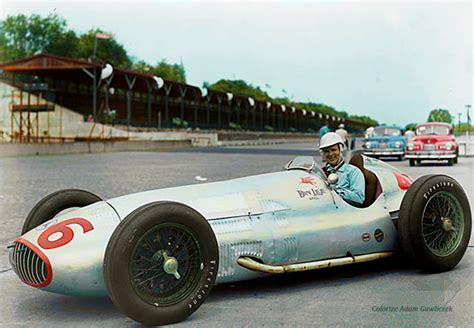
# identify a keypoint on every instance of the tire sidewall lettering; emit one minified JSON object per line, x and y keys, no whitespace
{"x":204,"y":287}
{"x":432,"y":189}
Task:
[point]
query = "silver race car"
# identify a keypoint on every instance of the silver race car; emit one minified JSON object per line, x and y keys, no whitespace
{"x":158,"y":253}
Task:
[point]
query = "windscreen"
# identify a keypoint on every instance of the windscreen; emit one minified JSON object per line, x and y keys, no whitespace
{"x":432,"y":129}
{"x":384,"y":132}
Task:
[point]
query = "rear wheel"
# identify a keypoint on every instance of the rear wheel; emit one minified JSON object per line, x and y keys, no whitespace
{"x":435,"y":223}
{"x":51,"y":205}
{"x":161,"y":263}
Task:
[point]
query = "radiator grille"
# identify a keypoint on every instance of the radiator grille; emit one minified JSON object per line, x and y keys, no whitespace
{"x":29,"y":266}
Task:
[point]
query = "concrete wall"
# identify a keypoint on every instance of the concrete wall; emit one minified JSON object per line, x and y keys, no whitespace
{"x":13,"y":149}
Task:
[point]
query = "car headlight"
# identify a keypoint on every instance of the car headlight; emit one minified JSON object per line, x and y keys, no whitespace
{"x":398,"y":144}
{"x":368,"y":144}
{"x":410,"y":146}
{"x":448,"y":146}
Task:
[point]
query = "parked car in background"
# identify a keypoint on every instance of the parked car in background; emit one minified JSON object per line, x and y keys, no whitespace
{"x":433,"y":141}
{"x":385,"y":141}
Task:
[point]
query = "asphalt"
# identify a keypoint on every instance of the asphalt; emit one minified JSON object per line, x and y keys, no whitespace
{"x":383,"y":293}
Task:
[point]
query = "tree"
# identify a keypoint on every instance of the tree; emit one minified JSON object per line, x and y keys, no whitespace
{"x":22,"y":36}
{"x":410,"y":126}
{"x":170,"y":72}
{"x":109,"y":50}
{"x":364,"y":119}
{"x":241,"y":88}
{"x":439,"y":115}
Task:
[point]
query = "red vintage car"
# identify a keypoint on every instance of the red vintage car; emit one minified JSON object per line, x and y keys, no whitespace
{"x":432,"y":141}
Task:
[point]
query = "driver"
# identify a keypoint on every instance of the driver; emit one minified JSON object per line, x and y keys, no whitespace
{"x":351,"y":183}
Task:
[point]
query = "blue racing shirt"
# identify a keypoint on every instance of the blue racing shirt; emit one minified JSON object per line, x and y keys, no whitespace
{"x":351,"y":183}
{"x":324,"y":129}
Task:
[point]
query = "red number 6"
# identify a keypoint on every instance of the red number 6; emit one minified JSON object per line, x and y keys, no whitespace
{"x":67,"y":233}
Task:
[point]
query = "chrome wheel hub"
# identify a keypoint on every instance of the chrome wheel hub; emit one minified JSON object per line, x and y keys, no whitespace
{"x":447,"y":224}
{"x":170,"y":265}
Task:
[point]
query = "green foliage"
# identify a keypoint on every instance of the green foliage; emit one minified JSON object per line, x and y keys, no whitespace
{"x":364,"y":119}
{"x":239,"y":87}
{"x":170,"y":72}
{"x":268,"y":128}
{"x":292,"y":129}
{"x":179,"y":122}
{"x":410,"y":126}
{"x":22,"y":36}
{"x":439,"y":115}
{"x":282,"y":101}
{"x":463,"y":128}
{"x":235,"y":126}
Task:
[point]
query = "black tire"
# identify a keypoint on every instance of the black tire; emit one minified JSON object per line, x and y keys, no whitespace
{"x":418,"y":235}
{"x":56,"y":202}
{"x":450,"y":162}
{"x":412,"y":162}
{"x":455,"y":160}
{"x":159,"y":297}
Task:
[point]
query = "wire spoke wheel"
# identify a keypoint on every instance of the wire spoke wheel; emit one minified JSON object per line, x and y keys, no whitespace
{"x":165,"y":264}
{"x":161,"y":263}
{"x":435,"y":223}
{"x":442,"y":223}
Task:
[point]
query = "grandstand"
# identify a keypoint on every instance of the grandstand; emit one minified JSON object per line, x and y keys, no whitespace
{"x":47,"y":97}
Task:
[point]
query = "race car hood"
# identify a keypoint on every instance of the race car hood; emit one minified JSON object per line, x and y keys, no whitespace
{"x":238,"y":197}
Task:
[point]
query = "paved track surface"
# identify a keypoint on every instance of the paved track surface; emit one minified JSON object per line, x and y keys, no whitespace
{"x":344,"y":296}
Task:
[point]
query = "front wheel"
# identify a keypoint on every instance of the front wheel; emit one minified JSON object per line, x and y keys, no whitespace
{"x":412,"y":162}
{"x":161,"y":263}
{"x":51,"y":205}
{"x":435,"y":223}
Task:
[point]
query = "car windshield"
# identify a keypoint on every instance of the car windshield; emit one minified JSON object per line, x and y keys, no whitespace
{"x":432,"y":129}
{"x":391,"y":132}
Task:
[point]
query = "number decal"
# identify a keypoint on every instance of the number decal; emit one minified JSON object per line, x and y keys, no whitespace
{"x":403,"y":180}
{"x":67,"y":234}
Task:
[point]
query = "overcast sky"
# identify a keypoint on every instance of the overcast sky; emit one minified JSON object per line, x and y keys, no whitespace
{"x":393,"y":61}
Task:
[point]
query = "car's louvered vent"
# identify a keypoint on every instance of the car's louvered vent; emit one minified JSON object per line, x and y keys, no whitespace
{"x":29,"y":266}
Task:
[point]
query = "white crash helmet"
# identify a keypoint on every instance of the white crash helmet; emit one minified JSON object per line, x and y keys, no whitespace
{"x":341,"y":126}
{"x":330,"y":139}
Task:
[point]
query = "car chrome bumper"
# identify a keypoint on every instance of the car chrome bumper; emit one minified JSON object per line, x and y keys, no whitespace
{"x":430,"y":155}
{"x":383,"y":152}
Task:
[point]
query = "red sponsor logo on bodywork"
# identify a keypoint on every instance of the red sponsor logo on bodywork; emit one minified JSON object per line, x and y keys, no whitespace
{"x":403,"y":180}
{"x":308,"y":180}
